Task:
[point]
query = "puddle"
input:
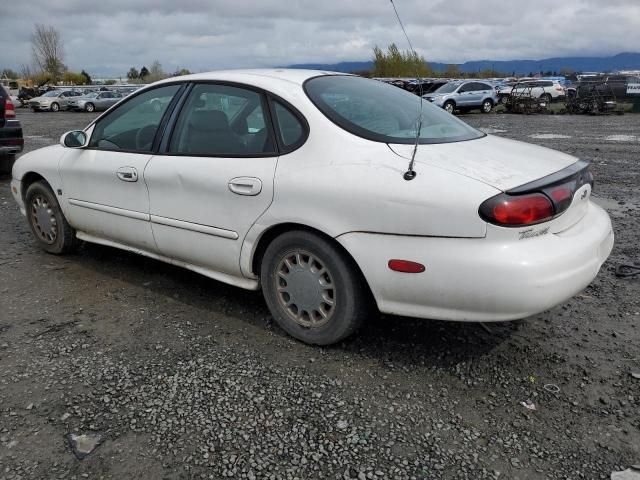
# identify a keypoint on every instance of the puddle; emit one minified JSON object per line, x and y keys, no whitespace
{"x":548,"y":136}
{"x":621,"y":138}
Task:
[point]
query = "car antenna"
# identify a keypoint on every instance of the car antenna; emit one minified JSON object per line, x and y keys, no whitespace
{"x":410,"y":174}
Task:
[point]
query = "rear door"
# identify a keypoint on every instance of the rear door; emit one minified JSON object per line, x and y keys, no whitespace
{"x":216,"y":176}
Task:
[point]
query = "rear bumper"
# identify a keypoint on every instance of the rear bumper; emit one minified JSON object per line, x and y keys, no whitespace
{"x":483,"y":279}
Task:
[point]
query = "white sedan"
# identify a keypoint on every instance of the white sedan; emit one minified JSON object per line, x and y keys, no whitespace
{"x":298,"y":182}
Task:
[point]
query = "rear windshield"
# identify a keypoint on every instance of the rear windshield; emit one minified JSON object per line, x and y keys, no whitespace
{"x":383,"y":113}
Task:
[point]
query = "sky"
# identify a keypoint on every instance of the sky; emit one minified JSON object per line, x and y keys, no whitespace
{"x":106,"y":38}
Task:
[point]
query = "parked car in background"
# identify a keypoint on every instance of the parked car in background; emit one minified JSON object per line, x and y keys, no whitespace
{"x":464,"y":95}
{"x":95,"y":101}
{"x":11,"y":140}
{"x":53,"y":100}
{"x":546,"y":90}
{"x":248,"y":177}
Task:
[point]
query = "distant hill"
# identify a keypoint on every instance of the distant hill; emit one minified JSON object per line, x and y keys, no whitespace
{"x":622,"y":61}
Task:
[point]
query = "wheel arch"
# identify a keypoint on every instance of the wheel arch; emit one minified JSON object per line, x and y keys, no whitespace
{"x":274,"y":231}
{"x":29,"y":179}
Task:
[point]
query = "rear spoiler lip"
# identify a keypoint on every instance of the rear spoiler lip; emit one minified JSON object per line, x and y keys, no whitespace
{"x":578,"y":169}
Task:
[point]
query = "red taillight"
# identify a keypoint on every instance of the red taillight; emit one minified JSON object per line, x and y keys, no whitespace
{"x":561,"y":194}
{"x":9,"y":110}
{"x":406,"y":266}
{"x":517,"y":210}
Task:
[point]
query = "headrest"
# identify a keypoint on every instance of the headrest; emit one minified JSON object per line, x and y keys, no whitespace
{"x":209,"y":120}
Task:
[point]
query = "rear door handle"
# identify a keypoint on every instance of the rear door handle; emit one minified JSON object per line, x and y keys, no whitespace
{"x":249,"y":186}
{"x":127,"y":174}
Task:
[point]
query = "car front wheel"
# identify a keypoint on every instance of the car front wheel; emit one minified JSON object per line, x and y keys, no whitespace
{"x":449,"y":106}
{"x":313,"y":290}
{"x":89,"y":107}
{"x":48,"y":224}
{"x":55,"y":107}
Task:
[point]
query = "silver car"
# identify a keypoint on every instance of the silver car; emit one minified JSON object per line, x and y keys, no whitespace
{"x":95,"y":101}
{"x":464,"y":95}
{"x":53,"y":100}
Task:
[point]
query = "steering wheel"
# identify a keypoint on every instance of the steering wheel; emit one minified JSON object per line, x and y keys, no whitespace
{"x":145,"y":136}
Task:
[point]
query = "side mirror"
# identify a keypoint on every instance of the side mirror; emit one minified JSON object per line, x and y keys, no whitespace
{"x":74,"y":139}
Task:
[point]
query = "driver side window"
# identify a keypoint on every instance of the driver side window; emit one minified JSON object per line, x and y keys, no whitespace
{"x":133,"y":125}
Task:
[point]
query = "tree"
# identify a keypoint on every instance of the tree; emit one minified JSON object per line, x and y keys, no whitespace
{"x":396,"y":63}
{"x":9,"y":73}
{"x":72,"y":78}
{"x":181,"y":71}
{"x":87,"y":78}
{"x":144,"y":73}
{"x":110,"y":82}
{"x":156,"y":72}
{"x":133,"y":74}
{"x":452,"y":71}
{"x":48,"y":51}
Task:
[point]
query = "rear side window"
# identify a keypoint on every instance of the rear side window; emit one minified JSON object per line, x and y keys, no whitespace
{"x":222,"y":121}
{"x":289,"y":127}
{"x":484,"y":86}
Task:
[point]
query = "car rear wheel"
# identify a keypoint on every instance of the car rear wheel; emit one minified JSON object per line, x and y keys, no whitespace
{"x":313,"y":290}
{"x":449,"y":106}
{"x":487,"y":106}
{"x":48,"y":224}
{"x":6,"y":164}
{"x":55,"y":107}
{"x":546,"y":97}
{"x":89,"y":107}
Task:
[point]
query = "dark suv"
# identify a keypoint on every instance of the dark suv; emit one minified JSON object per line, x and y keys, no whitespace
{"x":11,"y":141}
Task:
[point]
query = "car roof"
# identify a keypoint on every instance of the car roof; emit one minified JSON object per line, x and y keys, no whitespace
{"x":292,"y":75}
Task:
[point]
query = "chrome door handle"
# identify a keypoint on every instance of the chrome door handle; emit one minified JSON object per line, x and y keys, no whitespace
{"x":127,"y":174}
{"x":249,"y":186}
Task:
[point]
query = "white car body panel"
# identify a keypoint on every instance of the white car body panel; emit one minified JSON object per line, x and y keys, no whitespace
{"x":208,"y":213}
{"x":97,"y":202}
{"x":182,"y":211}
{"x":499,"y":162}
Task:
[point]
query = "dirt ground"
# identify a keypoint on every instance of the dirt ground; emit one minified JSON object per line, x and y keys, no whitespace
{"x":179,"y":376}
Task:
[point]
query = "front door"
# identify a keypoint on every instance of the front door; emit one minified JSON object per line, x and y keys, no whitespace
{"x":104,"y":191}
{"x":215,"y":178}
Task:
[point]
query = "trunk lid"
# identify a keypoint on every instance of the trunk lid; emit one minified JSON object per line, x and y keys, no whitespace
{"x":499,"y":162}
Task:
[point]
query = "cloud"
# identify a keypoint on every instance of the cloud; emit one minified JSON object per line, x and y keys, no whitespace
{"x":106,"y":38}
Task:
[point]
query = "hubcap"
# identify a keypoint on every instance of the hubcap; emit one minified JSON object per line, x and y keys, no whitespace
{"x":305,"y":289}
{"x":449,"y":108}
{"x":43,"y":220}
{"x":487,"y":107}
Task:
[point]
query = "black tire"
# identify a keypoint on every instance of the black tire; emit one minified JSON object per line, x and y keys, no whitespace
{"x":449,"y":106}
{"x":55,"y":107}
{"x":546,"y":97}
{"x":6,"y":164}
{"x":487,"y":106}
{"x":40,"y":202}
{"x":336,"y":280}
{"x":89,"y":107}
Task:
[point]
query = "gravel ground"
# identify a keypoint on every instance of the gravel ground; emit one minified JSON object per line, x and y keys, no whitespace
{"x":176,"y":376}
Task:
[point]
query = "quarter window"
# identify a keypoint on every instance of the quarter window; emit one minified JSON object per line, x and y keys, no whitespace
{"x":290,"y":128}
{"x":221,"y":121}
{"x":133,"y":125}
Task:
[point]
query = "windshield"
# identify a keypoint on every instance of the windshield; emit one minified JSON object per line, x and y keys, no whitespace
{"x":52,"y":93}
{"x":383,"y":113}
{"x":447,"y":88}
